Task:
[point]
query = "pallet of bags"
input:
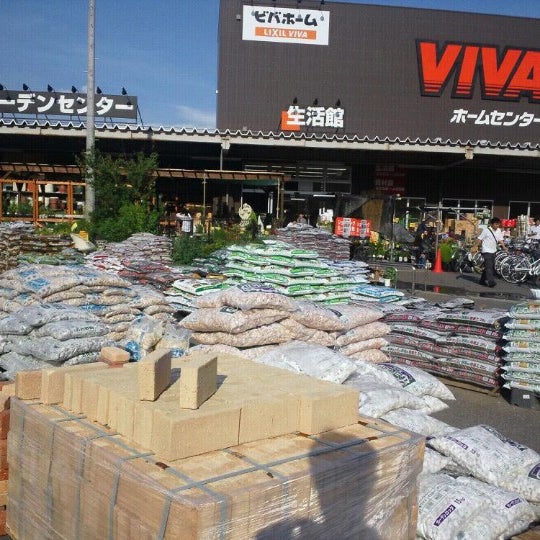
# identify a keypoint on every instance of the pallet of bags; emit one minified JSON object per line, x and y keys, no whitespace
{"x":324,"y":242}
{"x":460,"y":345}
{"x":474,"y":345}
{"x":293,"y":271}
{"x":414,"y":338}
{"x":521,"y":367}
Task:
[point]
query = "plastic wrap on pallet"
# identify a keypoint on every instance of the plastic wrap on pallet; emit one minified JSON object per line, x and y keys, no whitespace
{"x":69,"y":475}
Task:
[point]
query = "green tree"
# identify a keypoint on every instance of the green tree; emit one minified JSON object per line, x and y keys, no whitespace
{"x":124,"y":194}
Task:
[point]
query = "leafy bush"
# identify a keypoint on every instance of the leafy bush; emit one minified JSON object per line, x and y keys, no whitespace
{"x":131,"y":219}
{"x":186,"y":248}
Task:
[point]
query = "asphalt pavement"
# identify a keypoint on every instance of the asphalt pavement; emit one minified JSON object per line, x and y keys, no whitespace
{"x":476,"y":405}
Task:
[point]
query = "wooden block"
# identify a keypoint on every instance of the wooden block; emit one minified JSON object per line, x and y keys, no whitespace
{"x":53,"y":384}
{"x":154,"y":374}
{"x":114,"y":355}
{"x":28,"y":384}
{"x":198,"y":381}
{"x":327,"y":409}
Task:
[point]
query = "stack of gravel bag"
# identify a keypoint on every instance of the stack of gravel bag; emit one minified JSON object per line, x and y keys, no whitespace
{"x":521,"y":368}
{"x":114,"y":300}
{"x":475,"y":353}
{"x":47,"y":335}
{"x":295,"y":272}
{"x":365,"y":292}
{"x":247,"y":315}
{"x":402,"y":395}
{"x":254,"y":315}
{"x":483,"y":452}
{"x":143,"y":258}
{"x":414,"y":338}
{"x":183,"y":293}
{"x":358,"y":269}
{"x":469,"y":509}
{"x":325,"y":243}
{"x":353,"y":331}
{"x":142,"y":247}
{"x":12,"y":237}
{"x":458,"y":344}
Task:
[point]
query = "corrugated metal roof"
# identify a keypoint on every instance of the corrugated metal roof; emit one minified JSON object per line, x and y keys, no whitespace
{"x":214,"y":135}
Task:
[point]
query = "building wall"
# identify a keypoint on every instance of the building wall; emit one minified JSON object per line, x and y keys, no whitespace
{"x":396,"y":72}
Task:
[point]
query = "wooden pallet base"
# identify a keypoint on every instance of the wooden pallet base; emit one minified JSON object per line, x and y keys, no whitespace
{"x":470,"y":386}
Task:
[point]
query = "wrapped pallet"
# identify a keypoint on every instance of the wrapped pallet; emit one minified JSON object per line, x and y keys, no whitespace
{"x":75,"y":478}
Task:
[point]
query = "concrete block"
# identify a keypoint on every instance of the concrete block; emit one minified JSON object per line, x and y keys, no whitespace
{"x":114,"y":356}
{"x":324,"y":410}
{"x":52,"y":386}
{"x":198,"y":380}
{"x":7,"y":388}
{"x":268,"y":417}
{"x":102,"y":411}
{"x":154,"y":374}
{"x":28,"y":384}
{"x":142,"y":423}
{"x":176,"y":436}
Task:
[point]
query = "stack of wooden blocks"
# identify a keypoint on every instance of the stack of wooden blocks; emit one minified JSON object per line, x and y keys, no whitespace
{"x":202,"y":447}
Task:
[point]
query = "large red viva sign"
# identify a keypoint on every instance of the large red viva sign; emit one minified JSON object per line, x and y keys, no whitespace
{"x":506,"y":76}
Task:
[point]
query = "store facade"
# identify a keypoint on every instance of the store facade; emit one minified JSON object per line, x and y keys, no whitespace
{"x":348,"y":102}
{"x":452,"y":88}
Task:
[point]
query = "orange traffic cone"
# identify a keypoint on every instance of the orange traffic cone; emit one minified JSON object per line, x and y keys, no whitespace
{"x":437,"y":267}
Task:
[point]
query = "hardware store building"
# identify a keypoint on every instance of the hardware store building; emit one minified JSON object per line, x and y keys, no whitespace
{"x":349,"y":102}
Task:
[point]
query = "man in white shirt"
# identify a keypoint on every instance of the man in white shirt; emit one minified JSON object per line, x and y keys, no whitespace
{"x":490,"y":239}
{"x":534,"y":230}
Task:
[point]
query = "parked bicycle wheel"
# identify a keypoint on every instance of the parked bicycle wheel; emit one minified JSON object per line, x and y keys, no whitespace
{"x":460,"y":261}
{"x":477,"y":262}
{"x":500,"y":257}
{"x":515,"y":269}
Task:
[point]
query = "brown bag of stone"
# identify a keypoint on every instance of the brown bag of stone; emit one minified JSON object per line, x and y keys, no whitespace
{"x":230,"y":319}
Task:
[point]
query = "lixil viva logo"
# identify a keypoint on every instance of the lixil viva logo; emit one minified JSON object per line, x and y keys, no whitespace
{"x":507,"y":75}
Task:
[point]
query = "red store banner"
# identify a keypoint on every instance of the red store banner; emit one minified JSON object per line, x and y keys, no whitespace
{"x":390,"y":179}
{"x":352,"y":227}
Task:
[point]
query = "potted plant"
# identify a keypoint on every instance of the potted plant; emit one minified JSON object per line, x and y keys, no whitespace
{"x":390,"y":276}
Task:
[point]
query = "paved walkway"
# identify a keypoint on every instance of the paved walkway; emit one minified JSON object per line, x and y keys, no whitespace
{"x":437,"y":286}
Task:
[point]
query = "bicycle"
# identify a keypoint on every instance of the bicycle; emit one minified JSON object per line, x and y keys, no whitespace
{"x":466,"y":261}
{"x":518,"y":268}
